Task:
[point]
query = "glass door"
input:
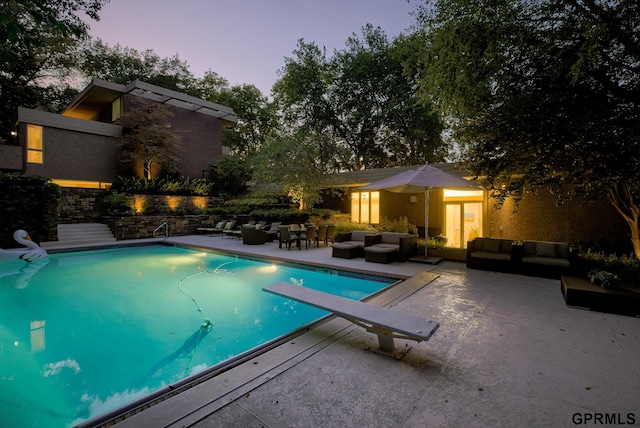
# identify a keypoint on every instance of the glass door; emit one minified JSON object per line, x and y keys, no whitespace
{"x":463,"y":222}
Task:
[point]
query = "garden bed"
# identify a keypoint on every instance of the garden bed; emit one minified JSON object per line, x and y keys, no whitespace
{"x":623,"y":298}
{"x":456,"y":254}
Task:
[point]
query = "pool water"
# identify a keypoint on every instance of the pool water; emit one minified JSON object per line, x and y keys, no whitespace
{"x":87,"y":332}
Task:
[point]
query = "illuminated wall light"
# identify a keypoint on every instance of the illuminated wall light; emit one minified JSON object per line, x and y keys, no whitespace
{"x":199,"y":202}
{"x":139,"y":202}
{"x":173,"y":202}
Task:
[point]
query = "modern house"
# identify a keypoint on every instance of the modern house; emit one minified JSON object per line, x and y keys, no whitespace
{"x":460,"y":215}
{"x":79,"y":148}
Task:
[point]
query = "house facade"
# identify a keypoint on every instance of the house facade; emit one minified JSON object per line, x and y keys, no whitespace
{"x":460,"y":215}
{"x":79,"y":147}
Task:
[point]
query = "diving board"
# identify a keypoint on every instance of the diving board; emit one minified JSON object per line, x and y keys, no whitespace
{"x":386,"y":323}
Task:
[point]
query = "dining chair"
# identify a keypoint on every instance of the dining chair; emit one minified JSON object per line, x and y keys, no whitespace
{"x":287,"y":237}
{"x":310,"y":236}
{"x":321,"y":235}
{"x":331,"y":231}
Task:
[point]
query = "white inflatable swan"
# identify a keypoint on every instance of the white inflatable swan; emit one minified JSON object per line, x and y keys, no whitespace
{"x":32,"y":253}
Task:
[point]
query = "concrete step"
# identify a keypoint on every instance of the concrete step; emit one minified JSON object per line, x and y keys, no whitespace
{"x":81,"y":233}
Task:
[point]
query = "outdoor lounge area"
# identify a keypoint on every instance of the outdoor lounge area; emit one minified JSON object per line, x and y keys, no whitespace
{"x":509,"y":352}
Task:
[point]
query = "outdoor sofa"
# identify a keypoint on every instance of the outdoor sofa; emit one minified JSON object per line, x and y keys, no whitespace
{"x":351,"y":244}
{"x":390,"y":247}
{"x":535,"y":258}
{"x":492,"y":254}
{"x":545,"y":259}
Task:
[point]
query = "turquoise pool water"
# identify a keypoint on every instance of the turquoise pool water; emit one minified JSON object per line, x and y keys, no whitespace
{"x":90,"y":331}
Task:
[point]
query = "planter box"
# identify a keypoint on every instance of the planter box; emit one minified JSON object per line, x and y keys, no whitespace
{"x":623,"y":299}
{"x":455,"y":254}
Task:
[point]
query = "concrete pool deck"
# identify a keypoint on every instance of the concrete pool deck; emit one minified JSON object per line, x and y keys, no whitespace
{"x":509,"y":353}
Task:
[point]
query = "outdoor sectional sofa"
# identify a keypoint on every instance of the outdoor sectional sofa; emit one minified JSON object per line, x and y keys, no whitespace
{"x":536,"y":258}
{"x":351,"y":245}
{"x":390,"y":247}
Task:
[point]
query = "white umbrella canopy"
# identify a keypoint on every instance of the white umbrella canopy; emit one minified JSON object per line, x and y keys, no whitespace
{"x":421,"y":179}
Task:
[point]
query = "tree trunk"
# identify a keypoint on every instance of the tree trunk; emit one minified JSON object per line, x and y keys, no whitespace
{"x":622,"y":199}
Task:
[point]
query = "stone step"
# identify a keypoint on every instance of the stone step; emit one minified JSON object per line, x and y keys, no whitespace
{"x":81,"y":233}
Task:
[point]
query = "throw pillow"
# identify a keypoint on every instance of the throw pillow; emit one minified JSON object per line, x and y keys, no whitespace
{"x":220,"y":224}
{"x":492,"y":245}
{"x":546,"y":249}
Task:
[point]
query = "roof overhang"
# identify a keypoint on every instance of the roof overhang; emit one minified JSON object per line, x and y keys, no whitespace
{"x":99,"y":92}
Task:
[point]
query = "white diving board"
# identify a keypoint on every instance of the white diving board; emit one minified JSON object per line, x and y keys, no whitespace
{"x":386,"y":323}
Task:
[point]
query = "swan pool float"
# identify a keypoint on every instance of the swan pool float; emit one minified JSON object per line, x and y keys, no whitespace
{"x":32,"y":253}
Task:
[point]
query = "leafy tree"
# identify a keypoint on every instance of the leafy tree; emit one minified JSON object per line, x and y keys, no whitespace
{"x":542,"y":93}
{"x":229,"y":175}
{"x":39,"y":39}
{"x":292,"y":161}
{"x":257,"y":119}
{"x":123,"y":65}
{"x":364,"y":99}
{"x":147,"y":140}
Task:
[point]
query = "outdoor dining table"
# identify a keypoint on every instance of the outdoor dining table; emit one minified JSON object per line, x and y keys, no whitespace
{"x":300,"y":233}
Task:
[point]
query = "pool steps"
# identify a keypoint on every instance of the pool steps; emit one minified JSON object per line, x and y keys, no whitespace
{"x":81,"y":233}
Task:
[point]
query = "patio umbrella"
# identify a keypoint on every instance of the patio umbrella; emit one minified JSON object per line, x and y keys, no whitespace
{"x":417,"y":180}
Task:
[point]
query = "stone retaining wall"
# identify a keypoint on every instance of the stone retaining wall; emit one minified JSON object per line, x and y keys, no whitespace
{"x":87,"y":206}
{"x":135,"y":227}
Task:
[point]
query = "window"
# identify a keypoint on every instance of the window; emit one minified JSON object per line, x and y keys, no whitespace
{"x":81,"y":184}
{"x":34,"y":144}
{"x":116,"y":109}
{"x":365,"y":207}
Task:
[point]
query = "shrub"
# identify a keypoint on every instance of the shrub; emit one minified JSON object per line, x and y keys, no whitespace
{"x":625,"y":267}
{"x":117,"y":204}
{"x":28,"y":202}
{"x":163,"y":186}
{"x":401,"y":225}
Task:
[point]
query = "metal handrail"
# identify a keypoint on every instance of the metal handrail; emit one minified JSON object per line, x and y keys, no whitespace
{"x":166,"y":229}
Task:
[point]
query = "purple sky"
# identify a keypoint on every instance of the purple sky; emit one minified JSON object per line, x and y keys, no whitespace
{"x":244,"y":41}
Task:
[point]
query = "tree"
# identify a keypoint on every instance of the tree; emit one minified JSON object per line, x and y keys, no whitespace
{"x":257,"y":118}
{"x":39,"y":41}
{"x":229,"y":175}
{"x":364,"y":99}
{"x":147,"y":143}
{"x":123,"y":65}
{"x":543,"y":94}
{"x":292,"y":161}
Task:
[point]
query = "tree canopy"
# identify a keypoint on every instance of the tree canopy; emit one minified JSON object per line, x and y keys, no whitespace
{"x":147,"y":140}
{"x":541,"y":93}
{"x":39,"y":41}
{"x":123,"y":65}
{"x":362,"y":99}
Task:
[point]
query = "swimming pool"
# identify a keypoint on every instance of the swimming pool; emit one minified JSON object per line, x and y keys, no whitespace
{"x":90,"y":331}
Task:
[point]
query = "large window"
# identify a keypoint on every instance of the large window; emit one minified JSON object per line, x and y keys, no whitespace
{"x":365,"y":207}
{"x":34,"y":144}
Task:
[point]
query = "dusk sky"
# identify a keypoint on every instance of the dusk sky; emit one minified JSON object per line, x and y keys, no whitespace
{"x":244,"y":41}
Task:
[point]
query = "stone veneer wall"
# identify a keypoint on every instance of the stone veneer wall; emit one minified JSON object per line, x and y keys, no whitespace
{"x":140,"y":226}
{"x":82,"y":205}
{"x":86,"y":206}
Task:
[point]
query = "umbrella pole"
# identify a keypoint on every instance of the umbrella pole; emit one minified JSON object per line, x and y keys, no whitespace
{"x":426,"y":220}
